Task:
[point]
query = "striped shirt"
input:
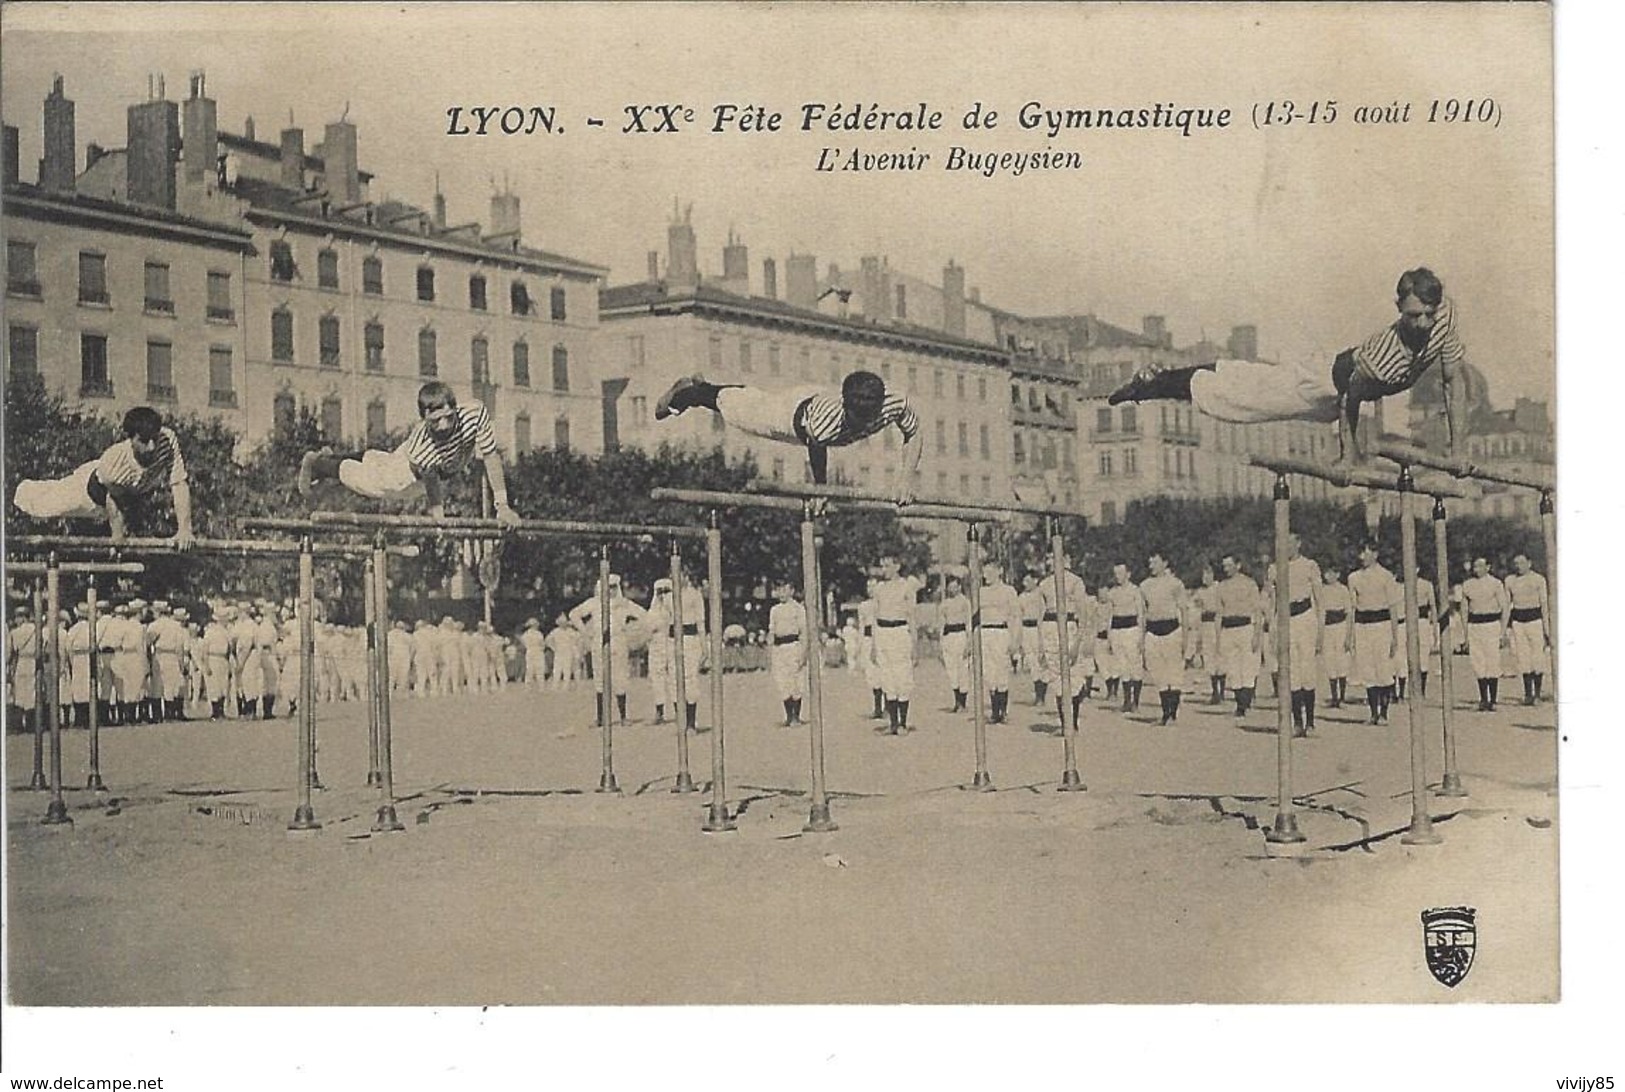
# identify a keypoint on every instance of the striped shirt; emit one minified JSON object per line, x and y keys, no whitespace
{"x":1385,"y":358}
{"x":822,"y":420}
{"x":118,"y":466}
{"x":473,"y":436}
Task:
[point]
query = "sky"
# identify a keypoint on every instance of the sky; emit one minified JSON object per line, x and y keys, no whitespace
{"x":1300,"y":230}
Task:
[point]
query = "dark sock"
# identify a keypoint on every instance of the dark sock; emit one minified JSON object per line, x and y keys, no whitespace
{"x":902,"y":714}
{"x":217,"y":709}
{"x":1111,"y":688}
{"x":270,"y":708}
{"x":1244,"y":699}
{"x":789,"y":712}
{"x":879,"y":708}
{"x":1164,"y":700}
{"x":1308,"y":709}
{"x":1173,"y":703}
{"x":598,"y":703}
{"x":1040,"y":692}
{"x":1373,"y":698}
{"x":891,"y":713}
{"x":1540,"y":682}
{"x":660,"y":712}
{"x":1495,"y":690}
{"x":1077,"y":703}
{"x":1400,"y":681}
{"x":1297,"y":709}
{"x":620,"y":706}
{"x":81,"y":714}
{"x":694,"y":714}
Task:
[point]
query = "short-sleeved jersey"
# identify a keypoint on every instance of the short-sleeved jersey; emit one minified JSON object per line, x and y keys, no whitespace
{"x":118,"y":466}
{"x":999,"y":604}
{"x":786,"y":619}
{"x":822,"y":420}
{"x":1165,"y":596}
{"x":1526,"y":590}
{"x":1484,"y":595}
{"x":895,"y":599}
{"x":1372,"y":588}
{"x":472,"y":436}
{"x":1385,"y":358}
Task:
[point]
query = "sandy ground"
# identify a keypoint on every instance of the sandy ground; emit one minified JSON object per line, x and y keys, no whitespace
{"x":515,"y":883}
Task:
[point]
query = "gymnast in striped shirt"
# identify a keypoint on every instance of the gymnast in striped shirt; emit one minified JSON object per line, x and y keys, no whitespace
{"x":810,"y":416}
{"x":444,"y":441}
{"x":1388,"y":362}
{"x":123,"y":478}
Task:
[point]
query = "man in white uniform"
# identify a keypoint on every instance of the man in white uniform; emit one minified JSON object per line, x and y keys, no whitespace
{"x":1488,"y":609}
{"x":789,"y":650}
{"x":1000,"y":611}
{"x":1166,"y":606}
{"x":953,"y":622}
{"x":1375,"y":639}
{"x":1239,"y":610}
{"x":895,"y":597}
{"x":1531,"y":639}
{"x":1127,"y":635}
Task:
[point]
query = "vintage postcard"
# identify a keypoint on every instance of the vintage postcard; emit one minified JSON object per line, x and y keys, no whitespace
{"x":552,"y":506}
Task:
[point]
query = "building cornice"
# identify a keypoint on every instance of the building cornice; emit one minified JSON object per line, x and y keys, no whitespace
{"x":125,"y":219}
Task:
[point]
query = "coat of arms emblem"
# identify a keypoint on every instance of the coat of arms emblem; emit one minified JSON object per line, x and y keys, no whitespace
{"x":1449,"y":939}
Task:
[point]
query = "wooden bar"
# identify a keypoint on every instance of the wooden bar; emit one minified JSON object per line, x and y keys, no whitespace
{"x":304,"y":816}
{"x":1408,"y":455}
{"x":1451,"y":785}
{"x":679,"y":687}
{"x":1361,"y":476}
{"x":241,"y":547}
{"x":717,"y":820}
{"x":453,"y":526}
{"x":818,"y":817}
{"x":56,"y":813}
{"x":854,"y":493}
{"x":93,"y":780}
{"x":1284,"y":831}
{"x":720,"y":499}
{"x":981,"y":781}
{"x":1421,"y":830}
{"x":1070,"y":780}
{"x":37,"y":568}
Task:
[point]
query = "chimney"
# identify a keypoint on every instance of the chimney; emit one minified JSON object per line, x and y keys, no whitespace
{"x":10,"y":156}
{"x":154,"y":149}
{"x":770,"y":279}
{"x":1155,"y":328}
{"x":56,"y":168}
{"x":93,"y":154}
{"x":341,"y":174}
{"x":1243,"y":344}
{"x":293,"y":159}
{"x":248,"y":127}
{"x":975,"y":295}
{"x":682,"y":256}
{"x":801,"y":280}
{"x":200,"y":149}
{"x":871,"y":291}
{"x":736,"y":263}
{"x":953,"y":299}
{"x":439,"y":207}
{"x":505,"y":214}
{"x":654,"y":266}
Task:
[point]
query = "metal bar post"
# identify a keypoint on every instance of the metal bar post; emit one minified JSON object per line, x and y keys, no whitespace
{"x":377,"y":671}
{"x":386,"y":819}
{"x":679,"y":662}
{"x":304,"y":816}
{"x":1421,"y":831}
{"x":981,"y":781}
{"x":818,"y":817}
{"x":57,"y":811}
{"x":1285,"y":829}
{"x":1070,"y":781}
{"x":716,"y":816}
{"x":93,"y":713}
{"x":1451,"y":785}
{"x":37,"y":783}
{"x":606,"y":676}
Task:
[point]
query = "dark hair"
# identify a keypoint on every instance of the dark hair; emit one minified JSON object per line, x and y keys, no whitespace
{"x":143,"y":422}
{"x":434,"y":394}
{"x":1422,"y":283}
{"x":863,"y":394}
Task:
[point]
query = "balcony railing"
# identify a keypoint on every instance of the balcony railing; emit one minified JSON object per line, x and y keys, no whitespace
{"x":95,"y":388}
{"x":161,"y":392}
{"x":224,"y":314}
{"x":330,"y":358}
{"x":162,"y":306}
{"x":223,"y":399}
{"x":23,"y":286}
{"x":92,"y":295}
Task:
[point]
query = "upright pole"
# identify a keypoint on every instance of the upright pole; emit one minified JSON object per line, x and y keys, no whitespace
{"x":685,"y":780}
{"x":304,"y":816}
{"x":716,"y":816}
{"x":1451,"y":786}
{"x":386,"y":819}
{"x":376,"y":671}
{"x":37,"y":783}
{"x":1070,"y":781}
{"x":818,"y":818}
{"x":1285,"y":830}
{"x":1548,"y":527}
{"x":487,"y":511}
{"x":973,"y":557}
{"x":606,"y":675}
{"x":1421,"y":831}
{"x":57,"y":811}
{"x":94,"y":781}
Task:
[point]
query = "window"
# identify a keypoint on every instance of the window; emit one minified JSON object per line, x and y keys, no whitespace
{"x":942,"y":437}
{"x":714,"y":352}
{"x":964,"y":485}
{"x":557,"y":299}
{"x":1105,"y":464}
{"x":479,"y":358}
{"x":914,"y":379}
{"x":155,"y":296}
{"x":984,"y":442}
{"x":1131,"y":462}
{"x":964,"y":439}
{"x":425,"y":283}
{"x":160,"y":371}
{"x":519,"y":298}
{"x":561,"y":368}
{"x":521,"y":364}
{"x":773,"y":360}
{"x":1108,"y":511}
{"x":222,"y":378}
{"x":333,"y":417}
{"x":373,"y":336}
{"x":476,"y":292}
{"x":22,"y":351}
{"x":1103,"y":419}
{"x":282,"y":267}
{"x":372,"y":276}
{"x":377,"y":422}
{"x":1018,"y":453}
{"x":284,"y":412}
{"x":959,"y":386}
{"x":936,"y":382}
{"x":22,"y":273}
{"x":942,"y":483}
{"x":328,"y":335}
{"x":94,"y":382}
{"x":561,"y":433}
{"x":987,"y":485}
{"x":521,"y":434}
{"x":744,"y":355}
{"x":1015,"y":395}
{"x":428,"y":354}
{"x":327,"y":268}
{"x":219,"y":304}
{"x":634,"y":351}
{"x":1035,"y":401}
{"x":282,"y":335}
{"x":92,"y":277}
{"x":1179,"y":463}
{"x":1066,"y":453}
{"x":902,"y":301}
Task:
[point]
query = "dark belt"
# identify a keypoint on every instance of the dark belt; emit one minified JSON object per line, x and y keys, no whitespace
{"x":1234,"y":621}
{"x":993,"y":625}
{"x":868,"y":631}
{"x":1125,"y":621}
{"x":1333,"y":617}
{"x":688,"y":631}
{"x":1033,"y":622}
{"x":1298,"y":606}
{"x":1162,"y":627}
{"x":1371,"y":615}
{"x":953,"y":627}
{"x":1424,"y":610}
{"x":890,"y":623}
{"x":787,"y":639}
{"x":1049,"y":616}
{"x":1526,"y":614}
{"x":1482,"y":619}
{"x":1210,"y":615}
